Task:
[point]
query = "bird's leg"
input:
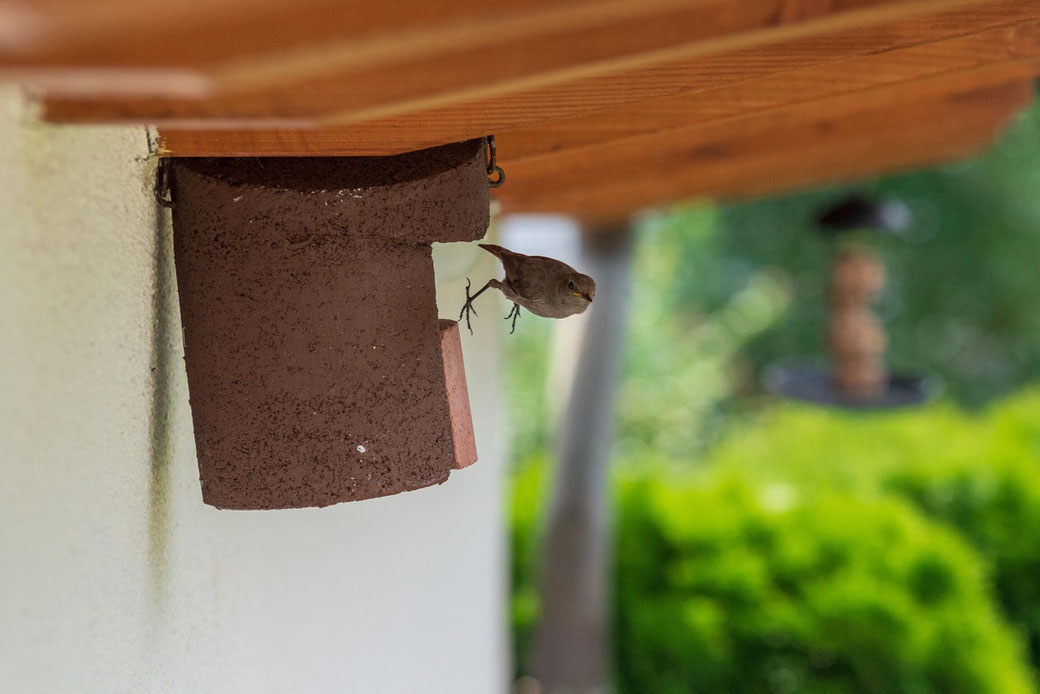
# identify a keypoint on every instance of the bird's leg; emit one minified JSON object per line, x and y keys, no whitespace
{"x":468,"y":306}
{"x":514,"y":313}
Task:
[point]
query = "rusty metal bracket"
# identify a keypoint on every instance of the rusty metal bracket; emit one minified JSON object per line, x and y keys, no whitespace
{"x":493,"y":168}
{"x":163,"y":196}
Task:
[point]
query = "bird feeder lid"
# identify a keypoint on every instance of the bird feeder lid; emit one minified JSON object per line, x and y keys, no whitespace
{"x":859,"y":213}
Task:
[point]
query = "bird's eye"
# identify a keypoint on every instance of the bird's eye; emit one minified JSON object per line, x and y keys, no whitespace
{"x":570,"y":285}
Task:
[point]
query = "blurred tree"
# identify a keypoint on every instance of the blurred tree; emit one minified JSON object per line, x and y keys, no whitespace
{"x":961,"y":301}
{"x":728,"y":586}
{"x":714,"y":566}
{"x":719,"y":293}
{"x":682,"y":358}
{"x":978,"y":474}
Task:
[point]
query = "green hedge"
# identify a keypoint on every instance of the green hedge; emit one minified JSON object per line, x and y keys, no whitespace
{"x":729,"y":588}
{"x":825,"y":552}
{"x":525,"y":526}
{"x":979,"y":474}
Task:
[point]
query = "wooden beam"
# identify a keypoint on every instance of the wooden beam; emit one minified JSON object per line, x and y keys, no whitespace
{"x":921,"y":62}
{"x":961,"y":94}
{"x":377,"y":119}
{"x":563,"y":137}
{"x":201,"y":34}
{"x":847,"y":138}
{"x":847,"y":163}
{"x":600,"y":106}
{"x":503,"y":40}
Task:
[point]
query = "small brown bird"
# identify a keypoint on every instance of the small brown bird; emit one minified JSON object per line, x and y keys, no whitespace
{"x":544,"y":286}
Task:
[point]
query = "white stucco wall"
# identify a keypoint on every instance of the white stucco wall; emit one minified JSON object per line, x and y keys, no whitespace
{"x":114,"y":577}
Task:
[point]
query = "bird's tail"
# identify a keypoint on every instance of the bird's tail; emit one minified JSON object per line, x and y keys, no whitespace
{"x":497,"y":251}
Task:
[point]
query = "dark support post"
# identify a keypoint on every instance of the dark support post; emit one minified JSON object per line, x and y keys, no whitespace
{"x":572,"y":640}
{"x":317,"y":368}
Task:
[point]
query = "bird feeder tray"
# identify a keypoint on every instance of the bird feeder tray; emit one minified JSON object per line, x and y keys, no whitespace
{"x":815,"y":383}
{"x":317,"y":367}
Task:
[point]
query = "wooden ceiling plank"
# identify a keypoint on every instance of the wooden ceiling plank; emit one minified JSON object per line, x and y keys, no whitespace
{"x":496,"y":113}
{"x":200,"y":33}
{"x":566,"y":43}
{"x":876,"y":140}
{"x":387,"y":118}
{"x":519,"y":44}
{"x":425,"y":123}
{"x":703,"y":64}
{"x":863,"y":145}
{"x":329,"y":142}
{"x":955,"y":55}
{"x":601,"y":106}
{"x":851,"y":162}
{"x":505,"y":43}
{"x":959,"y":92}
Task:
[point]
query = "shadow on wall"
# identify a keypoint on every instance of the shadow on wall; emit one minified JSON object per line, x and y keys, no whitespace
{"x":160,"y":435}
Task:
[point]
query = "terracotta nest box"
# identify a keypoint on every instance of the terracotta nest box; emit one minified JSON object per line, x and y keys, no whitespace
{"x":317,"y":367}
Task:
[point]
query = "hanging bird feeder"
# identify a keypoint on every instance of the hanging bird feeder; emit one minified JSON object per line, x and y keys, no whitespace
{"x":856,"y":377}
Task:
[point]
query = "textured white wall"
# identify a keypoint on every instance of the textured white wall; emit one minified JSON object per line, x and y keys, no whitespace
{"x":114,"y":577}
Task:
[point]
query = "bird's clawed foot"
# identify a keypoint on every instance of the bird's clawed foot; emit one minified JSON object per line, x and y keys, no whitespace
{"x":514,"y":313}
{"x":467,"y":307}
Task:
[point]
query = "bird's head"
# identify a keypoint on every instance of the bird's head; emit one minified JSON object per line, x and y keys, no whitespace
{"x":579,"y":286}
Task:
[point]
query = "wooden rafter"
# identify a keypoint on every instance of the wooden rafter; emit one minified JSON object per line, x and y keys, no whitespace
{"x":898,"y":69}
{"x":845,"y":139}
{"x":586,"y":97}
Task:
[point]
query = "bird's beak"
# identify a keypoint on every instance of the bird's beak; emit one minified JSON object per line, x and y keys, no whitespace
{"x":585,"y":296}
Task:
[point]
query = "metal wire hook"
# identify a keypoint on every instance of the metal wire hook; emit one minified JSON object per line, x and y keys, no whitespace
{"x":162,"y":184}
{"x":493,"y":167}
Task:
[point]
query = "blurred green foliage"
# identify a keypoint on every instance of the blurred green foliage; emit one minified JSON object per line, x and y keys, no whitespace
{"x":682,"y":365}
{"x":979,"y":475}
{"x":526,"y":382}
{"x":962,"y":293}
{"x":720,"y":293}
{"x":820,"y":551}
{"x":525,"y":529}
{"x":729,"y":587}
{"x":793,"y":549}
{"x":683,"y":362}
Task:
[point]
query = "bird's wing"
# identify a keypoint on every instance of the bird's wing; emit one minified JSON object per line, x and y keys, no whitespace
{"x":510,"y":260}
{"x":525,"y":274}
{"x":498,"y":251}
